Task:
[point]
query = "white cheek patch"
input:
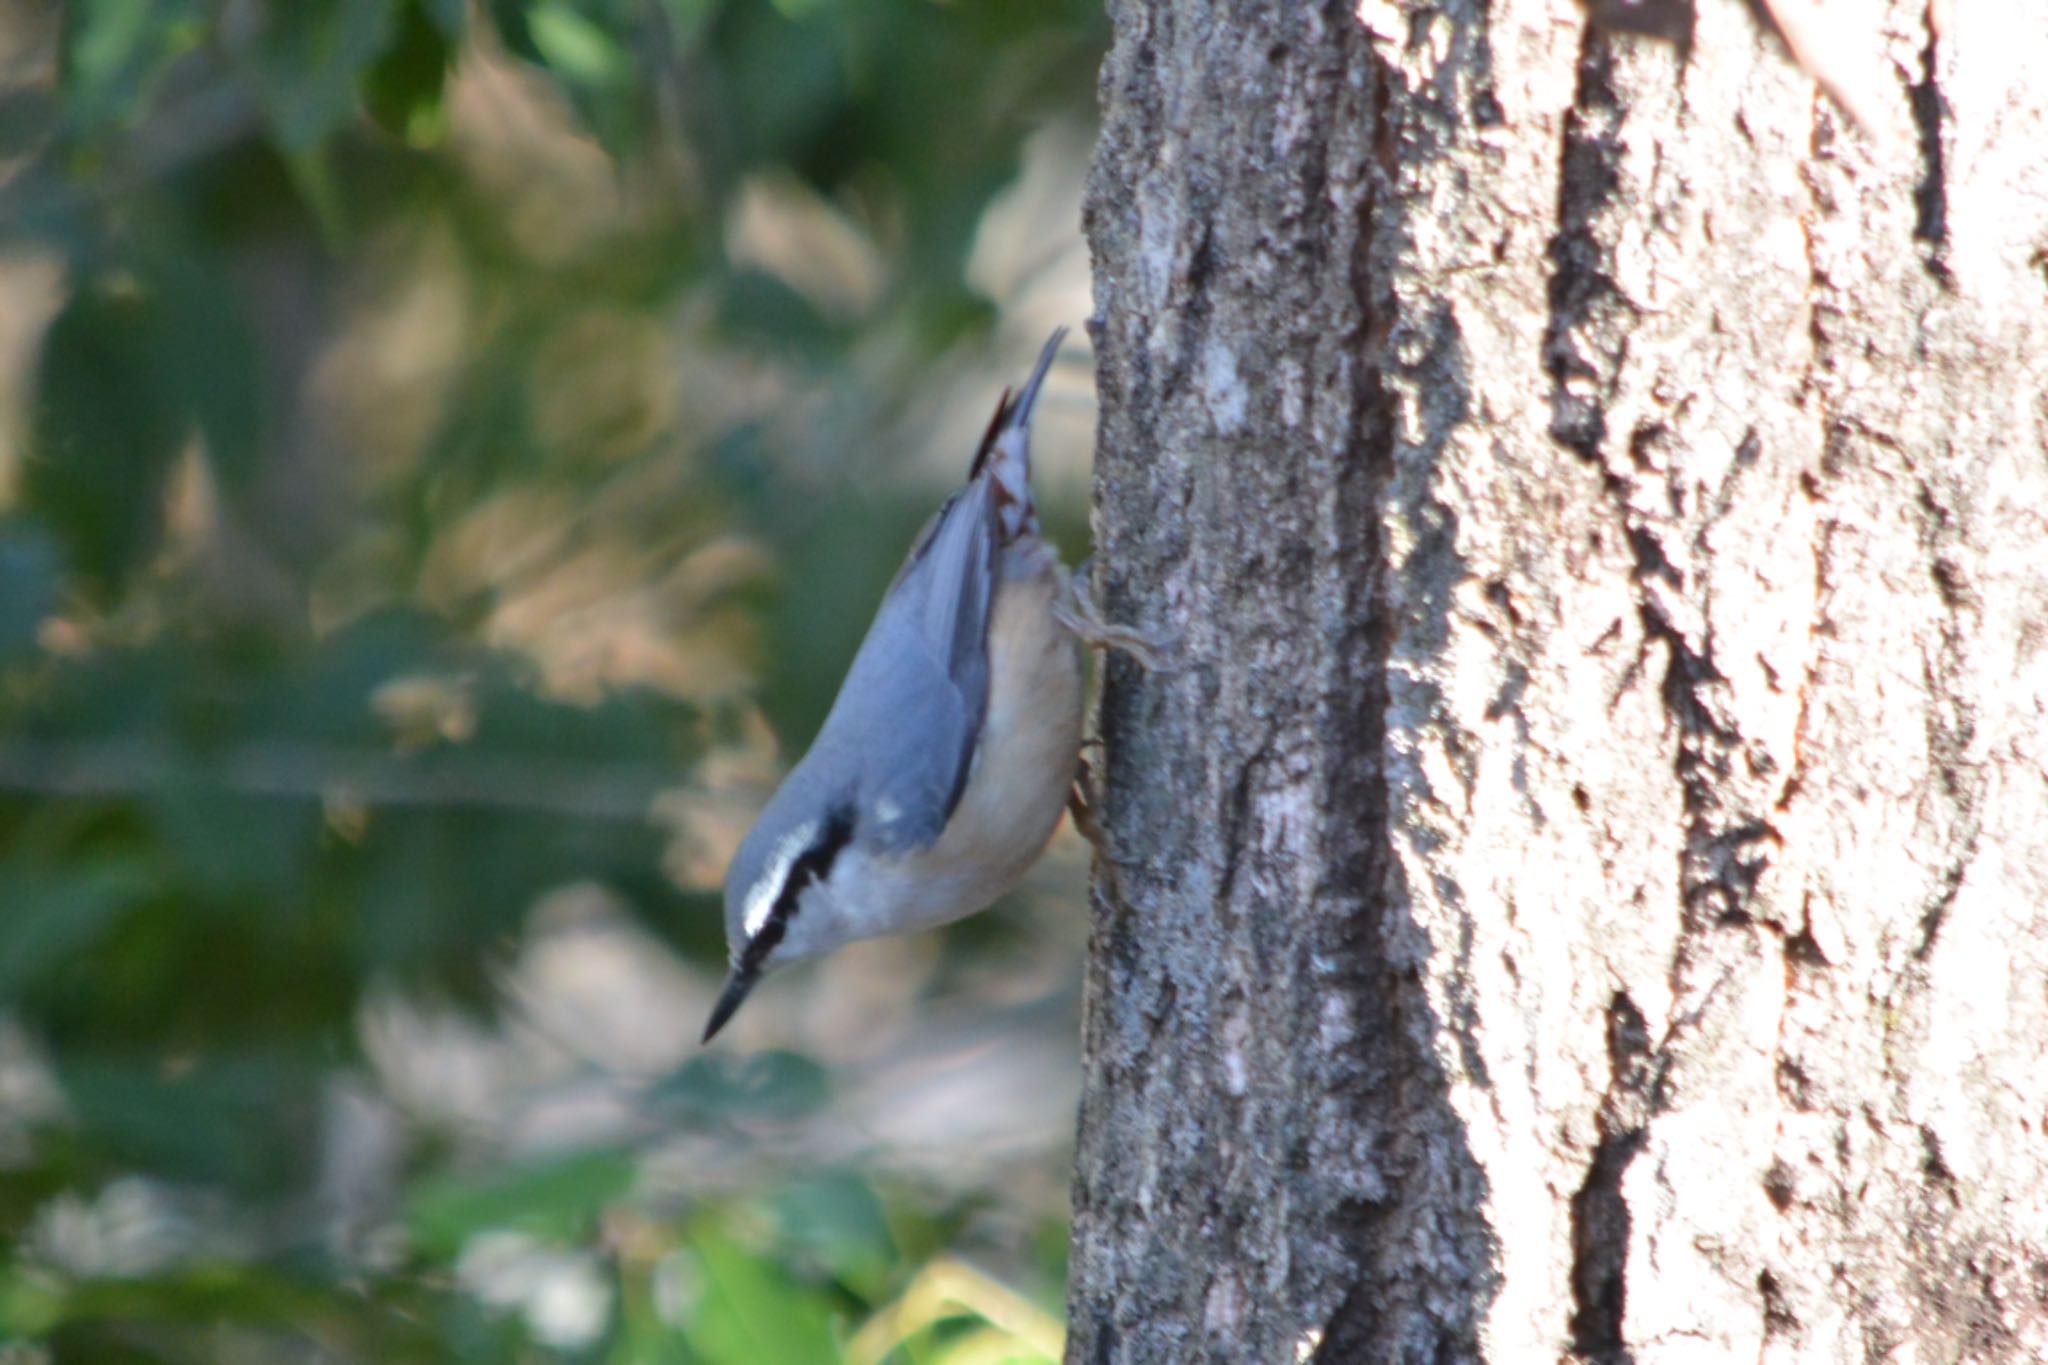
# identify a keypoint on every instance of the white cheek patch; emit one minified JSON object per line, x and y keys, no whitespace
{"x":761,"y":898}
{"x":887,"y":812}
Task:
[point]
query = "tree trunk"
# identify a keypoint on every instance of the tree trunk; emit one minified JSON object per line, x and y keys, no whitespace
{"x":1577,"y":888}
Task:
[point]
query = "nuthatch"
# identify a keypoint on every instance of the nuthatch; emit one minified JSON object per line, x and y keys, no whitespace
{"x":949,"y":753}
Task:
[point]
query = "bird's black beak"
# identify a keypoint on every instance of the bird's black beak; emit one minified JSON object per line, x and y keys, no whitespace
{"x":737,"y":984}
{"x":1020,"y":407}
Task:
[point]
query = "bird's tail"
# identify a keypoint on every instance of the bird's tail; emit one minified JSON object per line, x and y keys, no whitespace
{"x":1005,"y":453}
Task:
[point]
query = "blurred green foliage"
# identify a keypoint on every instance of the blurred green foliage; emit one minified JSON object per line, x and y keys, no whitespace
{"x":380,"y":537}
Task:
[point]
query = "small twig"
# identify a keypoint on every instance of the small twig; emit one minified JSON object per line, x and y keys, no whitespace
{"x":313,"y":772}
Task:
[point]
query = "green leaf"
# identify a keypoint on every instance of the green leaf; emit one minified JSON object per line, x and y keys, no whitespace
{"x":228,"y":1120}
{"x":30,"y":1304}
{"x":103,"y":39}
{"x":240,"y":850}
{"x":106,"y":430}
{"x":573,"y":47}
{"x":509,"y":17}
{"x":29,"y":584}
{"x":120,"y":1315}
{"x":108,"y":48}
{"x":773,"y":1086}
{"x":213,"y":361}
{"x":311,"y":169}
{"x":309,"y":60}
{"x":449,"y":16}
{"x":26,"y":117}
{"x":54,"y":916}
{"x":837,"y":1218}
{"x":402,"y":88}
{"x":763,"y":308}
{"x":688,"y":17}
{"x":555,"y":1199}
{"x":786,"y":88}
{"x":751,"y":1312}
{"x":591,"y":57}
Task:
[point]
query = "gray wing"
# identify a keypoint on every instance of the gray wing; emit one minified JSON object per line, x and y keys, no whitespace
{"x":903,"y":730}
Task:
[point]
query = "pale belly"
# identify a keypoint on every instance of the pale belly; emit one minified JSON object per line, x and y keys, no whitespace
{"x":1022,"y":773}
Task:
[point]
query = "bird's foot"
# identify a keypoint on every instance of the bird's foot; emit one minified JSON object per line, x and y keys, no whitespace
{"x":1078,"y":612}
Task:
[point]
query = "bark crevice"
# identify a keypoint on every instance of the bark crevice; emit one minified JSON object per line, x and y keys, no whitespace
{"x":1600,"y":1214}
{"x":1930,"y":196}
{"x":1581,"y":351}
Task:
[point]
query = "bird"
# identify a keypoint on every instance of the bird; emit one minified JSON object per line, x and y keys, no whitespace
{"x":942,"y":768}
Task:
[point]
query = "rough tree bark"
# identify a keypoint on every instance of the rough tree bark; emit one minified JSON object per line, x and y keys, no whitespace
{"x":1581,"y":887}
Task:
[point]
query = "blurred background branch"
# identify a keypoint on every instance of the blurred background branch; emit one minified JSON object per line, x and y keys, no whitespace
{"x":135,"y":768}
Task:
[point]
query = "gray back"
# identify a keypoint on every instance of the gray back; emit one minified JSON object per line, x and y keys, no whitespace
{"x":895,"y":749}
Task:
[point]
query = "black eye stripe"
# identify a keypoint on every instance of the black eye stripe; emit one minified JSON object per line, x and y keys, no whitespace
{"x":814,"y":864}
